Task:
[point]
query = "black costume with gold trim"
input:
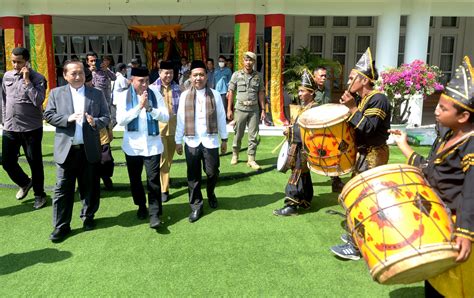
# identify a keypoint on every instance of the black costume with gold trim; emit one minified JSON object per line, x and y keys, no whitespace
{"x":451,"y":174}
{"x":371,"y":122}
{"x":299,"y":189}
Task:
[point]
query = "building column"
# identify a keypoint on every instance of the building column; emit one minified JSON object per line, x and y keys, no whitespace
{"x":416,"y":48}
{"x":244,"y":37}
{"x":388,"y":34}
{"x":274,"y":56}
{"x":12,"y":36}
{"x":41,"y":49}
{"x":417,"y":31}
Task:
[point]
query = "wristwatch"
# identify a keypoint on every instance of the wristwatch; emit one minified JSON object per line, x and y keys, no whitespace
{"x":224,"y":140}
{"x":149,"y":109}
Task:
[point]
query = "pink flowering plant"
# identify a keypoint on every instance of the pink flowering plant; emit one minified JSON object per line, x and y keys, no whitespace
{"x":401,"y":83}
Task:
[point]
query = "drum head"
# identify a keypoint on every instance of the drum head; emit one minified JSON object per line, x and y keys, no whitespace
{"x":323,"y":116}
{"x":282,"y":157}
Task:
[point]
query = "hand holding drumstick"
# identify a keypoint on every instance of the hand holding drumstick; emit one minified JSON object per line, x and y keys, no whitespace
{"x":348,"y":99}
{"x":400,"y":138}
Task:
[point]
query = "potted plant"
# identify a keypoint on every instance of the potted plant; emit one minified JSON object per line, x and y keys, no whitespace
{"x":406,"y":83}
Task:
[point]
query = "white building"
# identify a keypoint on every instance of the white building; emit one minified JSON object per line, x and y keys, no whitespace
{"x":437,"y":31}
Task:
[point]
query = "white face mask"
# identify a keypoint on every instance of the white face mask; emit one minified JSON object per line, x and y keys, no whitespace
{"x":221,"y":64}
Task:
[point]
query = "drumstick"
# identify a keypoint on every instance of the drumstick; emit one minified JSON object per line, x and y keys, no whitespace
{"x":350,"y":86}
{"x":348,"y":90}
{"x":279,"y":145}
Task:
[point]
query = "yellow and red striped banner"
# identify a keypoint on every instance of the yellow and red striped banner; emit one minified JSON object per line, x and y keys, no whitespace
{"x":244,"y":38}
{"x":13,"y":37}
{"x":41,"y":49}
{"x":274,"y":37}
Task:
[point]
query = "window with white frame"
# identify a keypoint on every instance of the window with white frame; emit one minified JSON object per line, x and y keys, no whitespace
{"x":448,"y":45}
{"x":76,"y":46}
{"x":403,"y":21}
{"x":318,"y":21}
{"x":226,"y":45}
{"x":339,"y":48}
{"x":340,"y":21}
{"x":364,"y":21}
{"x":339,"y":53}
{"x":138,"y":51}
{"x":288,"y":46}
{"x":316,"y":44}
{"x":428,"y":51}
{"x":449,"y":22}
{"x":363,"y":42}
{"x":401,"y":50}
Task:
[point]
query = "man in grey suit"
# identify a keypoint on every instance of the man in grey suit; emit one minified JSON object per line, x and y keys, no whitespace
{"x":78,"y":112}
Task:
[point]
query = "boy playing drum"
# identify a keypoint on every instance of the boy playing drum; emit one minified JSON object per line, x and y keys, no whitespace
{"x":449,"y":170}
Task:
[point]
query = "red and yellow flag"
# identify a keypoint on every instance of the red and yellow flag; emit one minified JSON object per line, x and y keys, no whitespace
{"x":244,"y":37}
{"x":41,"y":49}
{"x":274,"y":63}
{"x":13,"y":37}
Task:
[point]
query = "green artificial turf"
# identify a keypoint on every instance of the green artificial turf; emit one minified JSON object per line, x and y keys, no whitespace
{"x":239,"y":249}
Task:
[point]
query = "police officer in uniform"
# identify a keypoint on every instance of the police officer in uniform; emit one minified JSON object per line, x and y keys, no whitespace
{"x":248,"y":87}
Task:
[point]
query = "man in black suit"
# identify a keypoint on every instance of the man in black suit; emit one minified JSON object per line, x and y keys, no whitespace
{"x":78,"y":112}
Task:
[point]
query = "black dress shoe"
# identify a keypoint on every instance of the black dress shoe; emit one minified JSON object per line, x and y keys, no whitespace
{"x":40,"y":202}
{"x":337,"y":185}
{"x":142,"y":212}
{"x":195,"y":215}
{"x":165,"y":196}
{"x":108,"y":184}
{"x":213,"y":202}
{"x":59,"y":234}
{"x":286,"y":211}
{"x":155,"y":222}
{"x":88,"y":224}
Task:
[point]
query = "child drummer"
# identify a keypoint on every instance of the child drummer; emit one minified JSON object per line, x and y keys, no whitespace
{"x":450,"y":171}
{"x":370,"y":117}
{"x":299,"y":189}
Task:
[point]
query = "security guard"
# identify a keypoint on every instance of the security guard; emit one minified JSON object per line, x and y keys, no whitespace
{"x":248,"y":86}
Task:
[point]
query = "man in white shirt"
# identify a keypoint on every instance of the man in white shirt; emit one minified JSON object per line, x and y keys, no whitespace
{"x":121,"y":83}
{"x":201,"y":120}
{"x":140,"y":109}
{"x":78,"y":112}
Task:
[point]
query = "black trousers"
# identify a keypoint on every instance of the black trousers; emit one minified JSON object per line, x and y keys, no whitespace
{"x":152,"y":167}
{"x":431,"y":292}
{"x":75,"y":167}
{"x":301,"y":192}
{"x":208,"y":159}
{"x":30,"y":141}
{"x":106,"y":168}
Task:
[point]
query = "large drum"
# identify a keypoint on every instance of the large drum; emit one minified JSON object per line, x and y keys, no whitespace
{"x":402,"y":228}
{"x":328,"y":140}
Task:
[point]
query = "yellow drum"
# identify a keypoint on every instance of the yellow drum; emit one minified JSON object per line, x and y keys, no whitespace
{"x":402,"y":228}
{"x":328,"y":140}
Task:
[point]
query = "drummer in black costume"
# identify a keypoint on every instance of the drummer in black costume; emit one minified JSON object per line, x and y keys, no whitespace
{"x":370,"y":117}
{"x":299,"y":189}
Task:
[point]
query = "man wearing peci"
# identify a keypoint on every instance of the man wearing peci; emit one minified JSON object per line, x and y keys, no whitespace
{"x":140,"y":109}
{"x":201,"y":121}
{"x":170,"y":92}
{"x":78,"y":112}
